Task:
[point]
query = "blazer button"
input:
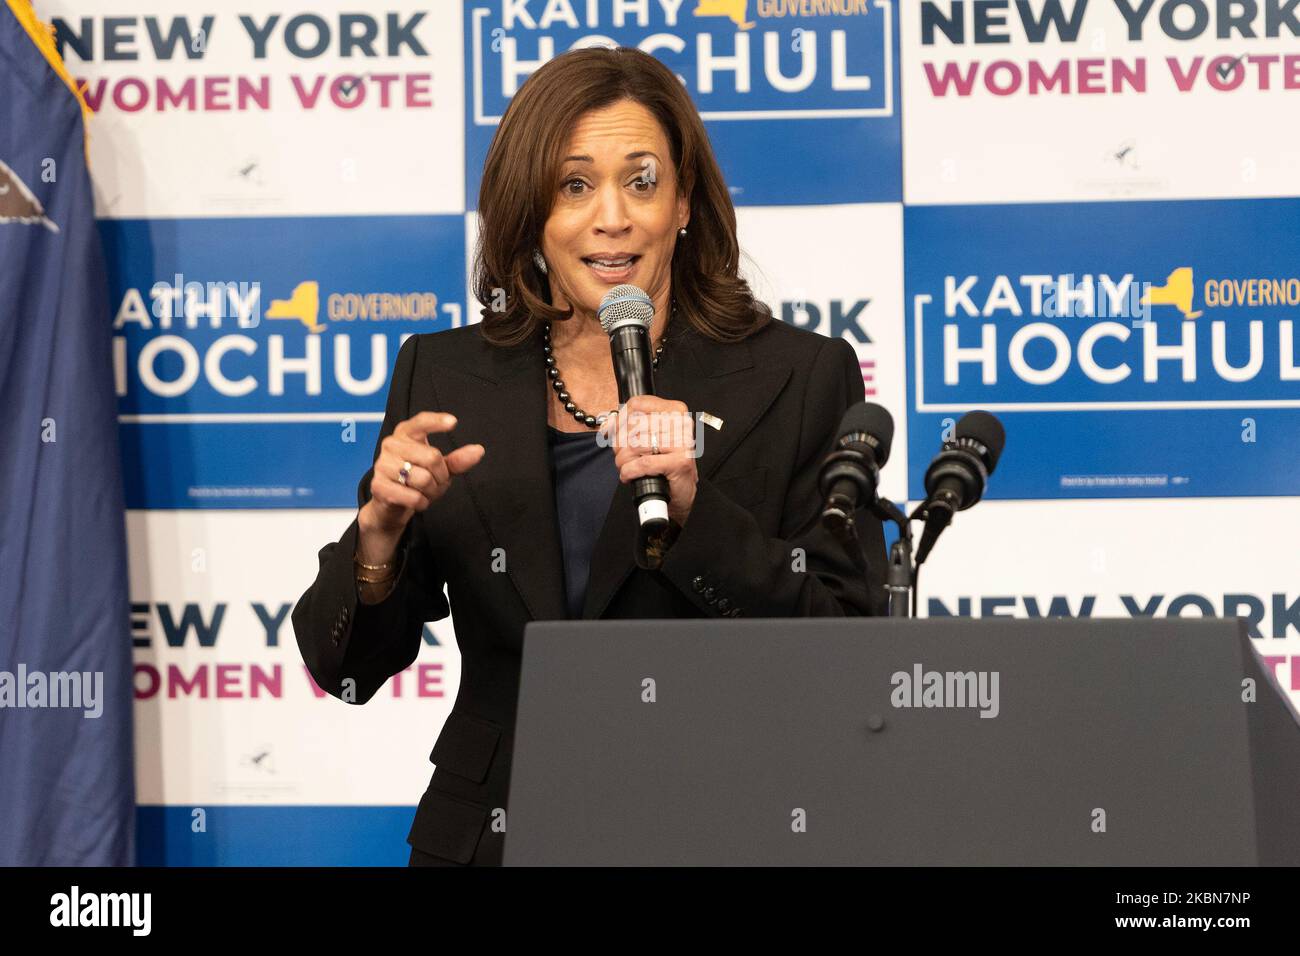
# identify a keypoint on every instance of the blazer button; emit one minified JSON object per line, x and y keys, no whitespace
{"x":710,"y":594}
{"x":724,"y":605}
{"x":698,"y":584}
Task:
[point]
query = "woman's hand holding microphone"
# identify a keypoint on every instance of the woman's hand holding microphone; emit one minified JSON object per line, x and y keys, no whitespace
{"x":410,"y":474}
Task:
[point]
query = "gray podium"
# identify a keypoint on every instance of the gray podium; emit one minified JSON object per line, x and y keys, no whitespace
{"x":779,"y":742}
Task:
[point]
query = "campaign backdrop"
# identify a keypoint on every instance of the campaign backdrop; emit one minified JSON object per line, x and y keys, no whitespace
{"x":1079,"y":214}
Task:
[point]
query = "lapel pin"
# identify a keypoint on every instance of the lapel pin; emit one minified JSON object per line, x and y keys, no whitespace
{"x":713,"y":421}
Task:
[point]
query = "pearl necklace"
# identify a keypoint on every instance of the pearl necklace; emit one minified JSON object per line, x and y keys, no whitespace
{"x":561,"y":391}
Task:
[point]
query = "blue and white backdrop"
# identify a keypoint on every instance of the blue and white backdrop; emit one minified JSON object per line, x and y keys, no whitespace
{"x":1080,"y":214}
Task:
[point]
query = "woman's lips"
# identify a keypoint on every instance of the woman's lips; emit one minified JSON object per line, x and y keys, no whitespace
{"x":609,"y":270}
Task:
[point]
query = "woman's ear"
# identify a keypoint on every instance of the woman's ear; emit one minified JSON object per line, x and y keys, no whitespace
{"x":683,"y":211}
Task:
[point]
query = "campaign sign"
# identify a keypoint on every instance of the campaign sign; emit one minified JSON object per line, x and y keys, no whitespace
{"x":252,"y":363}
{"x":800,"y":100}
{"x":1134,"y":349}
{"x":221,"y":108}
{"x":830,"y":287}
{"x":1070,"y":100}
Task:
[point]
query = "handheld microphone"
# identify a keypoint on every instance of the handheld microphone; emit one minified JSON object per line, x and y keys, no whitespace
{"x":850,"y":474}
{"x":625,"y":314}
{"x":956,"y":478}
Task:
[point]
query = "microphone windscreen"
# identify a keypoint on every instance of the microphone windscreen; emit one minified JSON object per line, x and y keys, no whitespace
{"x":875,"y":421}
{"x":987,"y":430}
{"x":624,"y":303}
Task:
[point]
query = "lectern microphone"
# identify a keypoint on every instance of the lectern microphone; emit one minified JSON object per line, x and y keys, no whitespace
{"x":958,"y":475}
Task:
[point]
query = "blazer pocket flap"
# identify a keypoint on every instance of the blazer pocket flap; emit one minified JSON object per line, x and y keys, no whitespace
{"x":447,"y":827}
{"x":466,"y":746}
{"x":747,"y":489}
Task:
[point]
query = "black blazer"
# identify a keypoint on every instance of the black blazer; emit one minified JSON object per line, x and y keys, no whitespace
{"x":780,"y":395}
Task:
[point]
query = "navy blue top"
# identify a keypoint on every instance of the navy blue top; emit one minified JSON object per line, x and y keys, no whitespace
{"x":585,"y":481}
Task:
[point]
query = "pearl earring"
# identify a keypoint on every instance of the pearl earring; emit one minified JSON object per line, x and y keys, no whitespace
{"x":539,"y":261}
{"x":682,"y":232}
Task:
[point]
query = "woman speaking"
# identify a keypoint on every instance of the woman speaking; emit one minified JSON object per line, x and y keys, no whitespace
{"x":505,"y":467}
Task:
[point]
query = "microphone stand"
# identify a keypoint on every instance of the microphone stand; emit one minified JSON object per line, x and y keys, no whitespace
{"x":901,"y":577}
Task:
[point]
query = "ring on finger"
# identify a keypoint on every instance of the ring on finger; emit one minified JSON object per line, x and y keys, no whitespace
{"x":404,"y":475}
{"x":654,"y":444}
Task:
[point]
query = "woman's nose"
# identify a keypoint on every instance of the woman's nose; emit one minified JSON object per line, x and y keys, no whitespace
{"x":611,"y":211}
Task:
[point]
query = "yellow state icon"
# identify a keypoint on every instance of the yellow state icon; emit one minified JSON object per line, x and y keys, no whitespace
{"x":303,"y":305}
{"x":1177,"y":291}
{"x":733,"y":10}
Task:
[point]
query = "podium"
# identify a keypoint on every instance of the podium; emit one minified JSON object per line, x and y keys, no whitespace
{"x":941,"y":741}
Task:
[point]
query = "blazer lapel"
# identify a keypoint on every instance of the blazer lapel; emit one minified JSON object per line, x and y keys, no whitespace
{"x":499,"y":398}
{"x":708,"y":376}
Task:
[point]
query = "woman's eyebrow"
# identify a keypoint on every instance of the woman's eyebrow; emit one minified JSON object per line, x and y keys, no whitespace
{"x":638,"y":154}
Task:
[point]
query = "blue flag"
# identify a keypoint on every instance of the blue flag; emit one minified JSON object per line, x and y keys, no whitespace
{"x":67,"y":788}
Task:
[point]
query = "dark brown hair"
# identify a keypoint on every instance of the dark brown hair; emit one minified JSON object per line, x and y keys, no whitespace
{"x":521,"y":180}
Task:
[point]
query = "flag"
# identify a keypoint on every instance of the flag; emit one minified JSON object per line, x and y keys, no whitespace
{"x":67,"y":789}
